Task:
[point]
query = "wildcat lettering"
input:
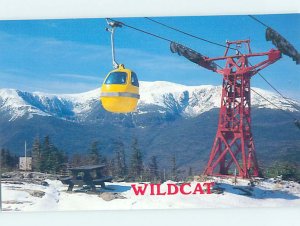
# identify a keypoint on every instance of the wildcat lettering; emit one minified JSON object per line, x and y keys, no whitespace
{"x":173,"y":189}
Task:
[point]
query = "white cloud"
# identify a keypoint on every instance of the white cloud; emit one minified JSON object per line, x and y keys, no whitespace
{"x":78,"y":76}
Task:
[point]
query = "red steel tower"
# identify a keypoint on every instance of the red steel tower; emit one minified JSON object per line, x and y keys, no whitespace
{"x":233,"y":147}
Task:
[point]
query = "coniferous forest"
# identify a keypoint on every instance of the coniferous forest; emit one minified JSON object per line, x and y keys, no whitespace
{"x":48,"y":158}
{"x":121,"y":164}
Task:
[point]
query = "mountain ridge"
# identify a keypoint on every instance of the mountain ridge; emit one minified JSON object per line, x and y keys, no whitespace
{"x":187,"y":101}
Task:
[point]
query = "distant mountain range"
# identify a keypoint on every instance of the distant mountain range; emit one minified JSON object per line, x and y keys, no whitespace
{"x":159,"y":97}
{"x":170,"y":118}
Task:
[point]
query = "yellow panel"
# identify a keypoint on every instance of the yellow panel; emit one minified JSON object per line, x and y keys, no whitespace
{"x":119,"y":104}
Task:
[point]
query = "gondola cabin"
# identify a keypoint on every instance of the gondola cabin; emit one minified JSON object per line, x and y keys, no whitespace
{"x":120,"y":91}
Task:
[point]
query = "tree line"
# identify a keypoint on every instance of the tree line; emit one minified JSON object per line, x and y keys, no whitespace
{"x":287,"y":170}
{"x":127,"y":168}
{"x":48,"y":158}
{"x":8,"y":160}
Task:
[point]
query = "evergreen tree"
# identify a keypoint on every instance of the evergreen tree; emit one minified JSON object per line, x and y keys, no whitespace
{"x":56,"y":159}
{"x":45,"y":155}
{"x":190,"y":172}
{"x":153,"y":167}
{"x":3,"y":159}
{"x":174,"y":169}
{"x":77,"y":160}
{"x":105,"y":162}
{"x":8,"y":161}
{"x":36,"y":155}
{"x":163,"y":175}
{"x":146,"y":175}
{"x":51,"y":159}
{"x":136,"y":161}
{"x":190,"y":175}
{"x":15,"y":161}
{"x":120,"y":160}
{"x":94,"y":156}
{"x":112,"y":167}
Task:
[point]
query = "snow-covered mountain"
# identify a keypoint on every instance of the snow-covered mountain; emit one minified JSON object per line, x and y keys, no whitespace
{"x":170,"y":118}
{"x":161,"y":97}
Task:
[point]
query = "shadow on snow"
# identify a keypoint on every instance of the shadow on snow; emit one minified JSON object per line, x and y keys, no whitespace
{"x":256,"y":192}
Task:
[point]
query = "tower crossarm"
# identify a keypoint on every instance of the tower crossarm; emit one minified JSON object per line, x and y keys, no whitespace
{"x":272,"y":56}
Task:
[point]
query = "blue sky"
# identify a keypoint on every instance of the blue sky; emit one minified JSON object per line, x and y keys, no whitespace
{"x":70,"y":56}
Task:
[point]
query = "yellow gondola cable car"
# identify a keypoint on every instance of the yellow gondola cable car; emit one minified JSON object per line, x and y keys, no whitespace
{"x":120,"y":89}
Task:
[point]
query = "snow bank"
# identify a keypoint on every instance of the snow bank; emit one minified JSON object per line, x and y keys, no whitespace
{"x":267,"y":193}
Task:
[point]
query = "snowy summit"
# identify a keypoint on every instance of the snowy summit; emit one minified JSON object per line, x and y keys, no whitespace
{"x":188,"y":101}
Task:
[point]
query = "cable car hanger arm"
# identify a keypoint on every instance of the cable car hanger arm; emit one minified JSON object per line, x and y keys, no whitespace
{"x":113,"y":25}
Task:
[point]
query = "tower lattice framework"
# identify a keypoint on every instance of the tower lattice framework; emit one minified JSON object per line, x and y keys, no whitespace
{"x":233,"y":148}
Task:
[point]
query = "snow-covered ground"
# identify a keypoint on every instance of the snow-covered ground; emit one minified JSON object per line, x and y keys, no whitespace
{"x":32,"y":197}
